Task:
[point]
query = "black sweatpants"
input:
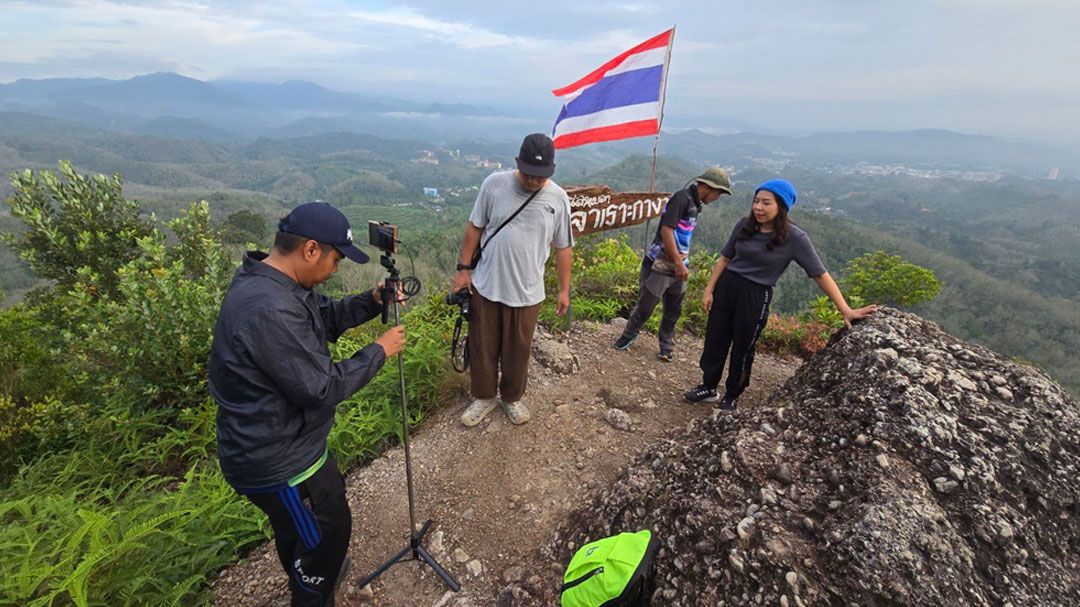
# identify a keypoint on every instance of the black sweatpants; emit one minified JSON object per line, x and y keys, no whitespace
{"x":312,"y":526}
{"x":739,"y":312}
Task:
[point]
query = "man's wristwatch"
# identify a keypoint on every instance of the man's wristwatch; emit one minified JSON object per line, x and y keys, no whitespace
{"x":464,"y":266}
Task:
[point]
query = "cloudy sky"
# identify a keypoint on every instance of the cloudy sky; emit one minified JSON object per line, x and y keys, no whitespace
{"x":1007,"y":67}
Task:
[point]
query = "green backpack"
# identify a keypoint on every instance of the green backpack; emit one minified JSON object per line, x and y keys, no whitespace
{"x":617,"y":571}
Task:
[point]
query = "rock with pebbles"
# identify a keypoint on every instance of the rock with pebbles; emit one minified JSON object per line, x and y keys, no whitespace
{"x":618,"y":419}
{"x":554,"y":355}
{"x":920,"y":470}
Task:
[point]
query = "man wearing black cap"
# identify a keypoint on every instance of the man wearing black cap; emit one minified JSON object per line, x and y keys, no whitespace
{"x":277,"y":390}
{"x":518,"y":216}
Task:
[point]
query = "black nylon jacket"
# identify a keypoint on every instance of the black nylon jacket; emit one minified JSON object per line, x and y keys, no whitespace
{"x":272,"y":377}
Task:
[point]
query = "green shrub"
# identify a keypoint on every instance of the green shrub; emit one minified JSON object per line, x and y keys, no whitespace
{"x":603,"y":281}
{"x":74,"y":221}
{"x":373,"y":415}
{"x":243,"y":227}
{"x":694,"y":317}
{"x":887,"y":279}
{"x":793,"y":336}
{"x":148,"y":343}
{"x":823,"y":312}
{"x":25,"y":375}
{"x":605,"y":285}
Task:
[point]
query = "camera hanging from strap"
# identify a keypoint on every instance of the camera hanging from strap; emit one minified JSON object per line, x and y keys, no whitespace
{"x":459,"y":347}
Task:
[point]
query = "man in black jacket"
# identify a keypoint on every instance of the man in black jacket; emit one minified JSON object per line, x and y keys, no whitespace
{"x":277,"y":390}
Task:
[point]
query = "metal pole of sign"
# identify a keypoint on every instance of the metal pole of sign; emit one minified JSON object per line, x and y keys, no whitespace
{"x":645,"y":238}
{"x":659,"y":122}
{"x":569,"y":307}
{"x":652,"y":184}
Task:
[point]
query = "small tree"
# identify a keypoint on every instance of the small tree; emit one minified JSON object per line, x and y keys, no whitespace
{"x":76,"y":226}
{"x":887,"y":279}
{"x":148,"y":345}
{"x":243,"y":227}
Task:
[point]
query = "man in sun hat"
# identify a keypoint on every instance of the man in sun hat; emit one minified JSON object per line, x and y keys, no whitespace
{"x":665,"y":266}
{"x":277,"y":388}
{"x":507,"y":283}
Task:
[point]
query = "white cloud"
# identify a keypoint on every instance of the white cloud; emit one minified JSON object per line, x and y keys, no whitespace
{"x":462,"y":34}
{"x":936,"y":56}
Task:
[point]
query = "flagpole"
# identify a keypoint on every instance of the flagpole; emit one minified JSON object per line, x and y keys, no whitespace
{"x":659,"y":123}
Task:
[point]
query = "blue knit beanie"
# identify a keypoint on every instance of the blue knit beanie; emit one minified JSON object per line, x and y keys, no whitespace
{"x":783,"y":189}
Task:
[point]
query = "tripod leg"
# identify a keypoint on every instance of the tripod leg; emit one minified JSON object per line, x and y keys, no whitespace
{"x":425,"y":556}
{"x":419,"y":535}
{"x":397,"y":558}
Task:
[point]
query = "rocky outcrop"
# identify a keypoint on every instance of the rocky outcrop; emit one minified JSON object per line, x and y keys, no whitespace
{"x":898,"y":466}
{"x":553,"y":354}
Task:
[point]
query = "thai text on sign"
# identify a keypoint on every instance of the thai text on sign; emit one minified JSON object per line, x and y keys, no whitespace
{"x":598,"y":208}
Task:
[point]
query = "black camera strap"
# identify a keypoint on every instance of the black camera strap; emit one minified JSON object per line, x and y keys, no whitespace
{"x":459,"y":347}
{"x":479,"y":252}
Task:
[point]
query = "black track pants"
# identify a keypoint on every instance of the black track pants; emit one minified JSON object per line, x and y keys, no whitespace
{"x":739,"y":312}
{"x":312,"y":526}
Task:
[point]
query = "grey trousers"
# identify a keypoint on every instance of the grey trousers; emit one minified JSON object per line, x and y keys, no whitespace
{"x":654,"y":288}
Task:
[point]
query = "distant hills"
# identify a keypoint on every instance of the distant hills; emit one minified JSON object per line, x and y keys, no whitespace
{"x":170,"y":105}
{"x":233,"y":109}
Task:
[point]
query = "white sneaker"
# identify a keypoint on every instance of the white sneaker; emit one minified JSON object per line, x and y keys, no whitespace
{"x":517,"y":412}
{"x":478,"y":410}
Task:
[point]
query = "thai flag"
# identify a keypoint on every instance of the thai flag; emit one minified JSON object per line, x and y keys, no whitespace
{"x":621,"y":99}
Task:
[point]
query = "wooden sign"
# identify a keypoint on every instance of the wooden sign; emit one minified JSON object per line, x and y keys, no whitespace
{"x":597,"y":208}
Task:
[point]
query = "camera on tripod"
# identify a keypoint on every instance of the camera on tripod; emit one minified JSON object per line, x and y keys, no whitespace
{"x":383,"y":236}
{"x":460,"y":298}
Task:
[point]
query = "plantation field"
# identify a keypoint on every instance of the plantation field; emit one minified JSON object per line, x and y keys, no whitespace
{"x":410,"y":220}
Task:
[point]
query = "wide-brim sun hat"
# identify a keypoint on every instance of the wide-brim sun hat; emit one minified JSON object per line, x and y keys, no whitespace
{"x":716,"y":178}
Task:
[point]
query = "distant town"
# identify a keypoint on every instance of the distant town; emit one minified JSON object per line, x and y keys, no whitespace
{"x":434,"y":156}
{"x":435,"y":199}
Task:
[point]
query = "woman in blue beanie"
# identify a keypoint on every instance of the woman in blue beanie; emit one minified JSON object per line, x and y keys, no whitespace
{"x":740,"y":289}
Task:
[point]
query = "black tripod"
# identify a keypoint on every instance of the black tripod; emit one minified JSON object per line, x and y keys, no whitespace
{"x":415,"y":550}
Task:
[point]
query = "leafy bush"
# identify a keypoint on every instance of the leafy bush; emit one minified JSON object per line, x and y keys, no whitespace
{"x":24,"y":373}
{"x":605,"y":285}
{"x":823,"y":312}
{"x":243,"y":226}
{"x":887,"y":279}
{"x":604,"y":281}
{"x":793,"y":336}
{"x":75,"y":222}
{"x":694,"y":317}
{"x":148,"y":343}
{"x":372,"y":416}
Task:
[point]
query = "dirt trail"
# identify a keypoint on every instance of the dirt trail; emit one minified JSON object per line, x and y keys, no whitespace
{"x":497,"y":492}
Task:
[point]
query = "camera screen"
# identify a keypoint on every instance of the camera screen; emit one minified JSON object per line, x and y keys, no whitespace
{"x":382,"y":235}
